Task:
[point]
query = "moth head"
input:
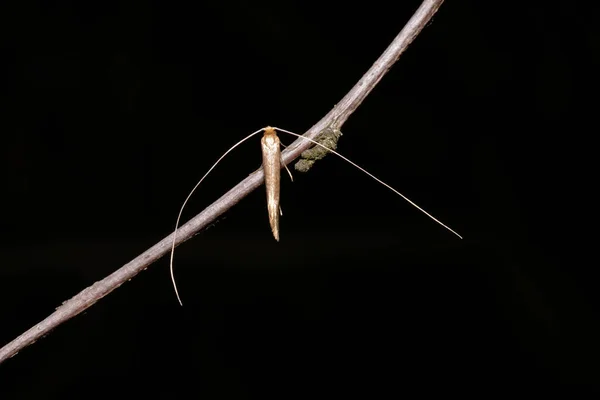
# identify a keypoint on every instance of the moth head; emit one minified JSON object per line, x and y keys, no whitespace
{"x":270,"y":131}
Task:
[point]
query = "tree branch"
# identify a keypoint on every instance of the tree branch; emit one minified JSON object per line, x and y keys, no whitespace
{"x":332,"y":121}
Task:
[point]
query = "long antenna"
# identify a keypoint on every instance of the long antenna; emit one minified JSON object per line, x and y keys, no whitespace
{"x":374,"y":177}
{"x":185,"y":202}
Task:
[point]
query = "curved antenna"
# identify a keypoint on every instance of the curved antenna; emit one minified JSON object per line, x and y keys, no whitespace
{"x":374,"y":177}
{"x":185,"y":202}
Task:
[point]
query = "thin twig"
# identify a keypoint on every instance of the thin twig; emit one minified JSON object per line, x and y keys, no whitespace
{"x":333,"y":120}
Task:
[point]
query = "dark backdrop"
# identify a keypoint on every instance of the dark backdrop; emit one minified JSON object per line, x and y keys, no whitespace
{"x":111,"y":111}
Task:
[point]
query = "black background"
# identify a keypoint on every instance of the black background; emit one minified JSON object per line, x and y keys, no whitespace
{"x":111,"y":111}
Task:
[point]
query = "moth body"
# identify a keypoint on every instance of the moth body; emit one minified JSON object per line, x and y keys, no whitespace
{"x":271,"y":156}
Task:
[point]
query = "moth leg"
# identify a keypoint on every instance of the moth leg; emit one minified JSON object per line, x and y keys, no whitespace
{"x":286,"y":168}
{"x":280,"y":211}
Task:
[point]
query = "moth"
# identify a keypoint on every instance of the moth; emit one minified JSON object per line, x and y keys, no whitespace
{"x":271,"y":163}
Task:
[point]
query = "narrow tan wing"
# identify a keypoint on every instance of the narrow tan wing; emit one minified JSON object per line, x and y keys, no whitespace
{"x":271,"y":153}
